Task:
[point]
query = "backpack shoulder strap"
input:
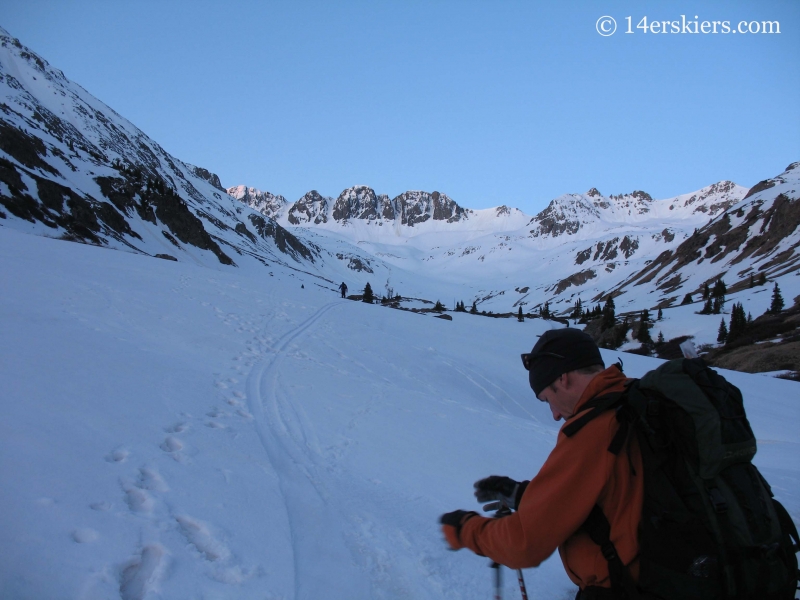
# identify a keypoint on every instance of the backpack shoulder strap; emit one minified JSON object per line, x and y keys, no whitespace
{"x":599,"y":530}
{"x":597,"y":406}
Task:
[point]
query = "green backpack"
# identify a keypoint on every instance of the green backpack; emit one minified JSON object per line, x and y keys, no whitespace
{"x":710,"y":528}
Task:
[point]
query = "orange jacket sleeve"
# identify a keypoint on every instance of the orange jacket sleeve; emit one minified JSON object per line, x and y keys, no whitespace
{"x":555,"y":504}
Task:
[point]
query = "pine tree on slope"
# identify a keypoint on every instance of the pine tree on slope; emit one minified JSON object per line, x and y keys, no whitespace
{"x":368,"y":296}
{"x":777,"y":300}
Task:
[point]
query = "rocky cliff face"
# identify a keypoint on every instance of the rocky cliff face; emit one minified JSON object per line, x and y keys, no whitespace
{"x":358,"y":203}
{"x":207,"y":175}
{"x":361,"y":202}
{"x":266,"y":203}
{"x":311,"y":208}
{"x":417,"y":207}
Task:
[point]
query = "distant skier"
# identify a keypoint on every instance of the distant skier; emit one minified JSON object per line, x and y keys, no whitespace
{"x":343,"y":287}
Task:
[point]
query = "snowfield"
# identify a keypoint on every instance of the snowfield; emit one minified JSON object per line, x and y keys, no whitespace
{"x":175,"y":431}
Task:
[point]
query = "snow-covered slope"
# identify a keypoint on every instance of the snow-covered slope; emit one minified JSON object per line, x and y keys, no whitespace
{"x":758,"y":235}
{"x":71,"y":167}
{"x":171,"y":431}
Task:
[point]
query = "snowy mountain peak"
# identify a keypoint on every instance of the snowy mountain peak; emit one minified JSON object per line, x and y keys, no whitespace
{"x":414,"y":207}
{"x":311,"y":208}
{"x":711,"y":200}
{"x":28,"y":55}
{"x":361,"y":202}
{"x":266,"y":203}
{"x":566,"y":215}
{"x":570,"y":213}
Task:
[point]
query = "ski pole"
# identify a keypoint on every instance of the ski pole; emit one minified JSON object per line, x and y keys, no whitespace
{"x":503,"y":511}
{"x":498,"y":581}
{"x":521,"y":581}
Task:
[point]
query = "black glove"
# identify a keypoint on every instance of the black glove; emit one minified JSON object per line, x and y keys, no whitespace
{"x":501,"y":489}
{"x":455,"y":519}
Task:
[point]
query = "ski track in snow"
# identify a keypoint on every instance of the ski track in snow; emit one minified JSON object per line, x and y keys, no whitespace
{"x":287,"y":439}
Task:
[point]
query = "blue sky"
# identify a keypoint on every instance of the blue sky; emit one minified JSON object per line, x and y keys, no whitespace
{"x":489,"y":102}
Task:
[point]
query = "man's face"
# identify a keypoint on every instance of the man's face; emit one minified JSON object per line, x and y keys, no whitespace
{"x":559,"y":398}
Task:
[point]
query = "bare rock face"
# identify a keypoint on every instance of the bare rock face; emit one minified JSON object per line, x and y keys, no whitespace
{"x":410,"y":208}
{"x":208,"y":176}
{"x":284,"y":240}
{"x":575,"y":279}
{"x":359,"y":202}
{"x":154,"y":200}
{"x":266,"y":203}
{"x":711,"y":200}
{"x":563,"y":216}
{"x":417,"y":207}
{"x":311,"y":208}
{"x":355,"y":263}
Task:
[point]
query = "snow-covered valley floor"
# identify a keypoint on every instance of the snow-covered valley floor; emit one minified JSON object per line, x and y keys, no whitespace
{"x":172,"y":431}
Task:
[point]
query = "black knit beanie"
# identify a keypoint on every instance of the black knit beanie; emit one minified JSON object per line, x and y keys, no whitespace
{"x":560,"y":351}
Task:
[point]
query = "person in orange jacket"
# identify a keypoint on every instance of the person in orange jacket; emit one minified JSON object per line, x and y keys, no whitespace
{"x":565,"y":370}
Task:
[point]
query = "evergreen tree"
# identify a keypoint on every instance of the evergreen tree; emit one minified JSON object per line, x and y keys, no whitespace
{"x":520,"y":318}
{"x":722,"y":333}
{"x":717,"y":306}
{"x":687,"y":299}
{"x":777,"y":300}
{"x":738,"y":322}
{"x":707,"y":308}
{"x":660,"y":337}
{"x":577,"y":312}
{"x":622,"y":333}
{"x":474,"y":309}
{"x":644,"y":328}
{"x":720,"y":289}
{"x":706,"y":291}
{"x":660,"y":314}
{"x":438,"y":307}
{"x":749,"y":319}
{"x":368,"y":296}
{"x":609,"y":315}
{"x":545,"y":311}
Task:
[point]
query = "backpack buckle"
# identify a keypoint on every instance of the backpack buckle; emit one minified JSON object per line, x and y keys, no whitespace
{"x":770,"y":551}
{"x":717,"y":500}
{"x":609,"y":552}
{"x":702,"y":566}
